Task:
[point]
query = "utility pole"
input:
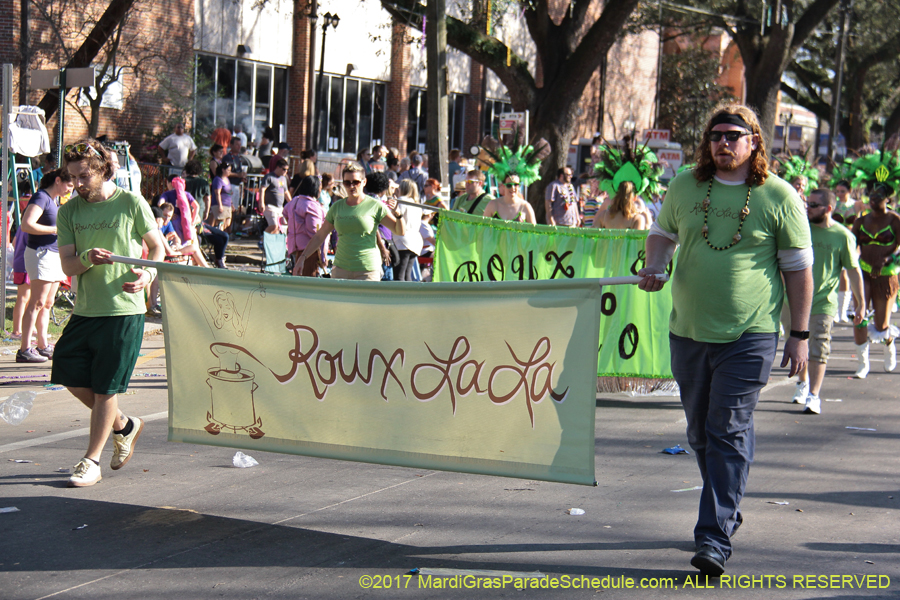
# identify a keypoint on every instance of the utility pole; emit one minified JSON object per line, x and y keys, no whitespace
{"x":436,"y":50}
{"x":834,"y":130}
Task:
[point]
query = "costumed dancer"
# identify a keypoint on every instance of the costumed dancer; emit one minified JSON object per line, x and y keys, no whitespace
{"x":744,"y":240}
{"x":802,"y":176}
{"x":878,"y":235}
{"x":636,"y":164}
{"x":846,"y":210}
{"x":513,"y":167}
{"x":834,"y":251}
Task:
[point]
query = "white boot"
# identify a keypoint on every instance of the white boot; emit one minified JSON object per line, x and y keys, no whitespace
{"x":890,"y":356}
{"x":862,"y":355}
{"x":843,"y":301}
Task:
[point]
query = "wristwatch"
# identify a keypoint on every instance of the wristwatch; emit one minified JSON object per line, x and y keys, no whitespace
{"x":800,"y":335}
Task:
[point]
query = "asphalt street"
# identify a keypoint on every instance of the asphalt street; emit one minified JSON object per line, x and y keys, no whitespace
{"x":179,"y":521}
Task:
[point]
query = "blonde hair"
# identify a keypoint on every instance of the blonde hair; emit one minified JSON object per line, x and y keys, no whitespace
{"x":353,"y":167}
{"x":409,"y":189}
{"x":307,"y":168}
{"x":624,"y":201}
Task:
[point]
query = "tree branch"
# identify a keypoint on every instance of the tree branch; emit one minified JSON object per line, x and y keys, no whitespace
{"x":810,"y":19}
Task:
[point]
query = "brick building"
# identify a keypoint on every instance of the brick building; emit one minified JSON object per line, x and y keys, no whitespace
{"x":227,"y":61}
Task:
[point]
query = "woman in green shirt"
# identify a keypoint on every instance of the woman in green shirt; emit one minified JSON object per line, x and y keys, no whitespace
{"x":356,"y":219}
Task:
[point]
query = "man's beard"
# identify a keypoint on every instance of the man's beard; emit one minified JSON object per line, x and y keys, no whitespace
{"x":731,"y":165}
{"x":818,"y":220}
{"x":90,"y":194}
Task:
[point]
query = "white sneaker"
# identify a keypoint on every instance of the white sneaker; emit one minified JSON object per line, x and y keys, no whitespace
{"x":862,"y":356}
{"x":124,"y":444}
{"x":890,"y":356}
{"x":801,"y":392}
{"x":87,"y":472}
{"x":813,"y":405}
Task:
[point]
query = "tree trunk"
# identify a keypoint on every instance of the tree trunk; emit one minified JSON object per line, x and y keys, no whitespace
{"x":857,"y":132}
{"x":554,"y":120}
{"x":94,"y":125}
{"x":90,"y":48}
{"x":892,"y":125}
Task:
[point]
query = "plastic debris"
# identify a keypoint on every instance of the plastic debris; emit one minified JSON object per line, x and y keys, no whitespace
{"x":779,"y":503}
{"x":63,"y":470}
{"x":696,"y":487}
{"x":861,"y":428}
{"x":869,"y":562}
{"x":14,"y":409}
{"x":9,"y":509}
{"x":676,"y":449}
{"x":19,"y":460}
{"x":81,"y":527}
{"x":575,"y":512}
{"x":8,"y":352}
{"x":833,"y":400}
{"x":242,"y":461}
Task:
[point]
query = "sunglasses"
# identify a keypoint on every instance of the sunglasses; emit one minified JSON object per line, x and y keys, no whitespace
{"x":81,"y":150}
{"x":473,"y":181}
{"x":511,"y":184}
{"x":814,"y":205}
{"x":352,"y":182}
{"x":731,"y":136}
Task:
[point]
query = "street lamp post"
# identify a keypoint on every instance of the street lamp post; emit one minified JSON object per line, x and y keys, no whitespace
{"x":332,"y":20}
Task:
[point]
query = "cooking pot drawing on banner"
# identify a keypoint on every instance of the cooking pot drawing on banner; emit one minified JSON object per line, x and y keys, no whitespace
{"x":231,"y":385}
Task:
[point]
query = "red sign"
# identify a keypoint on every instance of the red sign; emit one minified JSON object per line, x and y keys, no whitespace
{"x":661,"y":135}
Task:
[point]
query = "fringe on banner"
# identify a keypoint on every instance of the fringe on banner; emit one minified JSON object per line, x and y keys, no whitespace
{"x":637,"y":386}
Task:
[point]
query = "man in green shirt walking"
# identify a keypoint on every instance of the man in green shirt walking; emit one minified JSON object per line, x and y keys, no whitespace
{"x":834,"y":249}
{"x":99,"y":347}
{"x":741,"y":230}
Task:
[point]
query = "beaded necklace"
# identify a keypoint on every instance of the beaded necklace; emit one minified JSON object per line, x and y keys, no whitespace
{"x":705,"y":230}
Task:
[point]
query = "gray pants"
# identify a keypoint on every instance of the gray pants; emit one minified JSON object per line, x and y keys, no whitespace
{"x":720,"y":385}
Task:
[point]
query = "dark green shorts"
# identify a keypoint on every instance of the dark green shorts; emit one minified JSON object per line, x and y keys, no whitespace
{"x":98,"y":353}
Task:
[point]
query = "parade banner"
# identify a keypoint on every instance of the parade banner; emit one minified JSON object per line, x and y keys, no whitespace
{"x":495,"y":379}
{"x":634,"y":326}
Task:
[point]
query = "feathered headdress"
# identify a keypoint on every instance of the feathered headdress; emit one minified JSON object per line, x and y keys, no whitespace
{"x":843,"y":171}
{"x":797,"y":166}
{"x":637,"y":164}
{"x":879,"y":167}
{"x":522,"y":160}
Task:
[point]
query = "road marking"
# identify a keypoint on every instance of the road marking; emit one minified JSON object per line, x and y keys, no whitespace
{"x":49,"y":439}
{"x":148,"y":357}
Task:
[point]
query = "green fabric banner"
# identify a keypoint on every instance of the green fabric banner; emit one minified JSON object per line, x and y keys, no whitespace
{"x":634,"y":326}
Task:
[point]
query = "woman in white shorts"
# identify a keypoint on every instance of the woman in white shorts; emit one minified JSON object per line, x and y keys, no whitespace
{"x":42,"y":264}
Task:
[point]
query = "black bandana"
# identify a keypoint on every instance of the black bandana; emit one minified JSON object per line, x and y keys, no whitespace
{"x":729,"y":119}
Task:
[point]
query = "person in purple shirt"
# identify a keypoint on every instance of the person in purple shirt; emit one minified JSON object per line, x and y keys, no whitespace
{"x":23,"y":285}
{"x":42,"y":264}
{"x":220,"y":208}
{"x":305,"y":216}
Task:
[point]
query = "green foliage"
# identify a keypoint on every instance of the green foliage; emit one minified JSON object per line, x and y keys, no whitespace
{"x":688,"y":91}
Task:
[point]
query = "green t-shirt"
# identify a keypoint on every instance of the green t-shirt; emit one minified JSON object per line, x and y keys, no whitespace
{"x":118,"y":224}
{"x":717,"y":296}
{"x":464,"y":204}
{"x":834,"y":249}
{"x":357,"y":248}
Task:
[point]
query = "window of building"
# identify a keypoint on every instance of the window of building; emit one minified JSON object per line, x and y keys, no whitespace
{"x":230,"y":91}
{"x":351,"y":115}
{"x":779,"y":132}
{"x":417,"y":123}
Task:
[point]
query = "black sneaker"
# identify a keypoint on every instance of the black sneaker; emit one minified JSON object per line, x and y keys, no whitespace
{"x":30,"y":355}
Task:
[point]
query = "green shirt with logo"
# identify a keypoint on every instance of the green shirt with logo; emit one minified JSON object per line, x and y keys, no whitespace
{"x":717,"y":296}
{"x":116,"y":224}
{"x":834,"y":249}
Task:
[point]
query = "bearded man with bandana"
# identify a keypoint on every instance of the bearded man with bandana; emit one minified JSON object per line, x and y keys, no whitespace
{"x":742,"y":232}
